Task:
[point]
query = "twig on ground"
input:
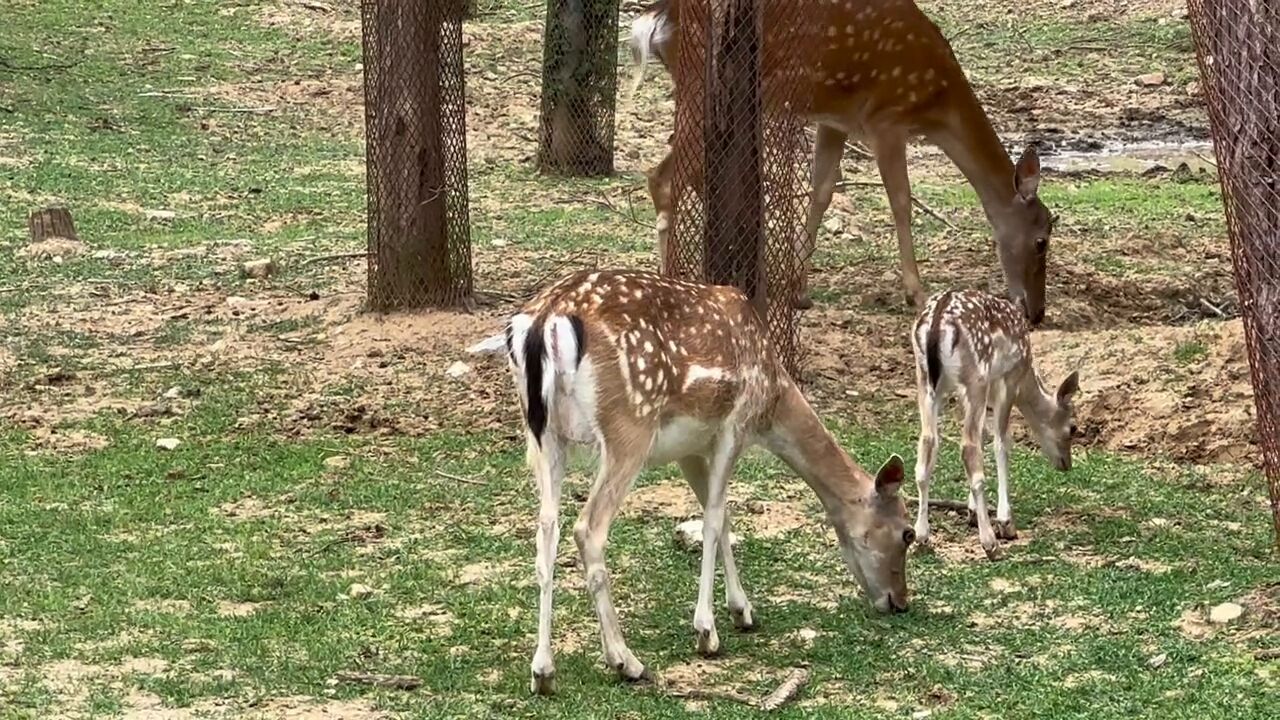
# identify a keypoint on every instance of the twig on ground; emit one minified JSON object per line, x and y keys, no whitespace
{"x":395,"y":682}
{"x":51,"y":66}
{"x":914,"y":200}
{"x":1212,"y":308}
{"x":607,"y":204}
{"x":458,"y":478}
{"x":334,"y":256}
{"x":1205,"y":158}
{"x":787,"y":691}
{"x":260,"y":110}
{"x":1267,"y":654}
{"x":859,"y":150}
{"x":783,"y":694}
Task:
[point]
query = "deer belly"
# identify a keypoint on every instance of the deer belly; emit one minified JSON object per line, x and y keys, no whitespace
{"x":678,"y":438}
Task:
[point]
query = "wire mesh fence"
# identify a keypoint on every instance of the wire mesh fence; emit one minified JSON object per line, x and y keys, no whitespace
{"x":579,"y":88}
{"x":738,"y":168}
{"x":419,"y":233}
{"x":1238,"y":51}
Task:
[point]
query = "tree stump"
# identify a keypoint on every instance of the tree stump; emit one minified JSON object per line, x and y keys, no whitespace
{"x":54,"y":222}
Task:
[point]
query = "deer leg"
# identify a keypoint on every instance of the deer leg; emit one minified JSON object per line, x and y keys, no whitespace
{"x":695,"y":472}
{"x":975,"y":412}
{"x":930,"y":402}
{"x":828,"y":150}
{"x":659,"y":182}
{"x":548,"y":468}
{"x":591,"y":532}
{"x":1003,"y":405}
{"x":891,"y":157}
{"x":713,"y":525}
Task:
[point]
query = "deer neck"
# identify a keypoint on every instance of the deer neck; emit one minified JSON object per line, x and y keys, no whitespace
{"x":1036,"y":403}
{"x":973,"y":145}
{"x":799,"y":438}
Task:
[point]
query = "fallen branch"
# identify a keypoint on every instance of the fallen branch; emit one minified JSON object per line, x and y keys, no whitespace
{"x":1213,"y":308}
{"x":1267,"y":654}
{"x":395,"y":682}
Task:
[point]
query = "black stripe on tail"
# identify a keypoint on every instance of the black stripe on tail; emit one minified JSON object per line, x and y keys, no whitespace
{"x":535,"y":352}
{"x":933,"y":353}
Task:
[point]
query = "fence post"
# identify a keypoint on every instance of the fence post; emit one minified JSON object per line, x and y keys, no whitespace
{"x":1238,"y":52}
{"x":419,"y":235}
{"x":579,"y":88}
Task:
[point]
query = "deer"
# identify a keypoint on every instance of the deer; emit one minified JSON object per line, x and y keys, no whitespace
{"x":647,"y":371}
{"x":884,"y":73}
{"x":977,"y":346}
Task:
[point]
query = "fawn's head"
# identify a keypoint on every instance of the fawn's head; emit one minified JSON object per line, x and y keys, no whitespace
{"x":1022,"y":238}
{"x":874,"y":537}
{"x":1056,"y":431}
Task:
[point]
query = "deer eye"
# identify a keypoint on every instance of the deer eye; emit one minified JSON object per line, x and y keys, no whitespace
{"x":908,"y":536}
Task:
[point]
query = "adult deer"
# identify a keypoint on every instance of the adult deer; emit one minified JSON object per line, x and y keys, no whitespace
{"x":885,"y":74}
{"x":649,"y":371}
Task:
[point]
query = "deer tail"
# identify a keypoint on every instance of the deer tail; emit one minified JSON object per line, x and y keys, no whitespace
{"x":547,"y":348}
{"x":647,"y":30}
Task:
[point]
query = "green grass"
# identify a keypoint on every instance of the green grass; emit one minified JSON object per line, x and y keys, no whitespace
{"x":129,"y":552}
{"x":222,"y":570}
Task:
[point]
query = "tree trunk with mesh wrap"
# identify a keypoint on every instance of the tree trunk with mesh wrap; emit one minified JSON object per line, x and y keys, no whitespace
{"x":1238,"y":50}
{"x":579,"y":88}
{"x":419,"y":242}
{"x":732,"y":141}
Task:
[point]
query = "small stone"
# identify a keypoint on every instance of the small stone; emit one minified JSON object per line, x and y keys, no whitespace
{"x":1158,"y":660}
{"x":260,"y":269}
{"x":458,"y":369}
{"x":360,"y":591}
{"x":499,"y":243}
{"x":921,"y":714}
{"x":689,"y":535}
{"x":1225,"y":613}
{"x":173,"y":393}
{"x":168,"y":443}
{"x":1194,"y":89}
{"x":161,"y":214}
{"x":807,"y":635}
{"x":1154,"y":79}
{"x":337,"y":462}
{"x":833,"y":224}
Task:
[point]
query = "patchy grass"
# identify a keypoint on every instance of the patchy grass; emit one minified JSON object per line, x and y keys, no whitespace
{"x":311,"y":519}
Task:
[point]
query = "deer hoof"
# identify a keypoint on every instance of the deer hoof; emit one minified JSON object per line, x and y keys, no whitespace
{"x":708,"y":643}
{"x":993,"y":551}
{"x":543,"y":683}
{"x":1006,"y":530}
{"x":743,"y":619}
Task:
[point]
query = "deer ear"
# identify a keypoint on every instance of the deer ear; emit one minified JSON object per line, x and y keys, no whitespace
{"x":1026,"y":174}
{"x":890,"y":476}
{"x":1069,"y":387}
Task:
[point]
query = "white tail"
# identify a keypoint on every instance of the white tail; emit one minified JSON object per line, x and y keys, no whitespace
{"x":884,"y":72}
{"x":649,"y":371}
{"x":978,"y":346}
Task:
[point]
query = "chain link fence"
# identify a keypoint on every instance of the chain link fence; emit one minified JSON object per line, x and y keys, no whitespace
{"x":739,"y":163}
{"x":416,"y":145}
{"x":579,"y":88}
{"x":1238,"y":51}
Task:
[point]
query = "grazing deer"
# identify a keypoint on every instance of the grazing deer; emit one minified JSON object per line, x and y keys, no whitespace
{"x":977,"y":346}
{"x":885,"y":74}
{"x":649,"y":371}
